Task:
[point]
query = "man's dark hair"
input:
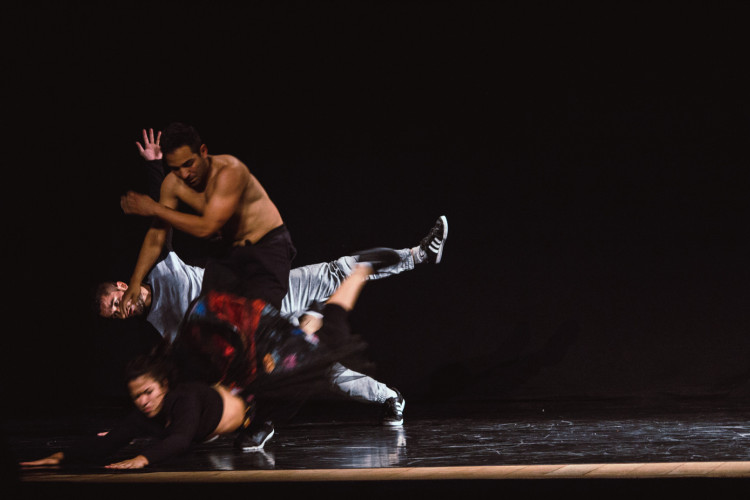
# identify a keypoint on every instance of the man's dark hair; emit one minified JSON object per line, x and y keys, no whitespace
{"x":97,"y":292}
{"x":177,"y":135}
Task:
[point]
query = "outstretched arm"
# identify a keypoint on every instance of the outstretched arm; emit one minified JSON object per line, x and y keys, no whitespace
{"x":183,"y":419}
{"x":227,"y":190}
{"x":151,"y":251}
{"x":150,"y":151}
{"x":53,"y":459}
{"x":347,"y":293}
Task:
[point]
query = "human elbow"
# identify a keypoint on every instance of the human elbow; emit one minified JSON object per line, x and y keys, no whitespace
{"x":209,"y":227}
{"x":206,"y":231}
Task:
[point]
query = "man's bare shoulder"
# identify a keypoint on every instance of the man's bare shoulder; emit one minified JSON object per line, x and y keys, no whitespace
{"x":228,"y":161}
{"x":171,"y":183}
{"x":229,"y":169}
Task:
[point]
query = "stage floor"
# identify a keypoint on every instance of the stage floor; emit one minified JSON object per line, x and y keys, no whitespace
{"x":458,"y":445}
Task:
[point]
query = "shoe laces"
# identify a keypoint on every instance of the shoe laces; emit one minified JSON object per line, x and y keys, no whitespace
{"x":435,"y":234}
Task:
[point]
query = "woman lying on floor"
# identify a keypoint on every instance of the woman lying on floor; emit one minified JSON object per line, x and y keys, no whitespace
{"x":179,"y":414}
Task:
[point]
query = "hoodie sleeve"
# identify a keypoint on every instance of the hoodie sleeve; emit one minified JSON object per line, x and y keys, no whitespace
{"x":183,"y":420}
{"x":96,"y":448}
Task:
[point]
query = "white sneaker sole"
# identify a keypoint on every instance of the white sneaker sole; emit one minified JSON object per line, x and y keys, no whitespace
{"x":442,"y":242}
{"x":261,"y":445}
{"x":392,"y":423}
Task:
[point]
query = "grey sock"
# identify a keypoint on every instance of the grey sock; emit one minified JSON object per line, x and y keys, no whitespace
{"x":419,"y":255}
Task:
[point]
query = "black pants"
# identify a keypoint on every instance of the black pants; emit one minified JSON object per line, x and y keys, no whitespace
{"x":254,"y":270}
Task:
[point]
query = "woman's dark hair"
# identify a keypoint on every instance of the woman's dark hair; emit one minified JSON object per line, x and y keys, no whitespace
{"x":156,"y":364}
{"x":177,"y":135}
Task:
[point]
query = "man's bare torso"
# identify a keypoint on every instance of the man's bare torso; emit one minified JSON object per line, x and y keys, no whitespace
{"x":255,"y":214}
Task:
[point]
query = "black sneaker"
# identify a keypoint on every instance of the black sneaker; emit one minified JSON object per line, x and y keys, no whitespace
{"x":378,"y":258}
{"x":393,"y":410}
{"x":432,"y":245}
{"x":254,"y":437}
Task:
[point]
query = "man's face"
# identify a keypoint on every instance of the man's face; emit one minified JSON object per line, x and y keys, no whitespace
{"x":110,"y":302}
{"x":189,"y":166}
{"x":148,"y":394}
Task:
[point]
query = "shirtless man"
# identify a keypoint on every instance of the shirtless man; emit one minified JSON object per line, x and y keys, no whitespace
{"x":229,"y":201}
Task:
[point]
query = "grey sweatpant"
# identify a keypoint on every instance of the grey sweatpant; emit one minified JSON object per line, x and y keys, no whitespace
{"x":317,"y":282}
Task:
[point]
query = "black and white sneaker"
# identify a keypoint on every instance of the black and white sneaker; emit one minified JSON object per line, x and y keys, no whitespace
{"x":431,"y":246}
{"x":254,"y":437}
{"x":393,"y":410}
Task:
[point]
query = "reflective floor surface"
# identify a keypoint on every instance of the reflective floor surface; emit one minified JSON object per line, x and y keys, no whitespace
{"x":334,"y":436}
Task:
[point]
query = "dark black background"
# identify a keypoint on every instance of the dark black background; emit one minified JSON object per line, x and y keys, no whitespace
{"x":590,"y":158}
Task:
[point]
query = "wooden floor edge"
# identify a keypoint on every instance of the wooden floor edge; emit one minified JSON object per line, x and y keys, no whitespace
{"x":580,"y":471}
